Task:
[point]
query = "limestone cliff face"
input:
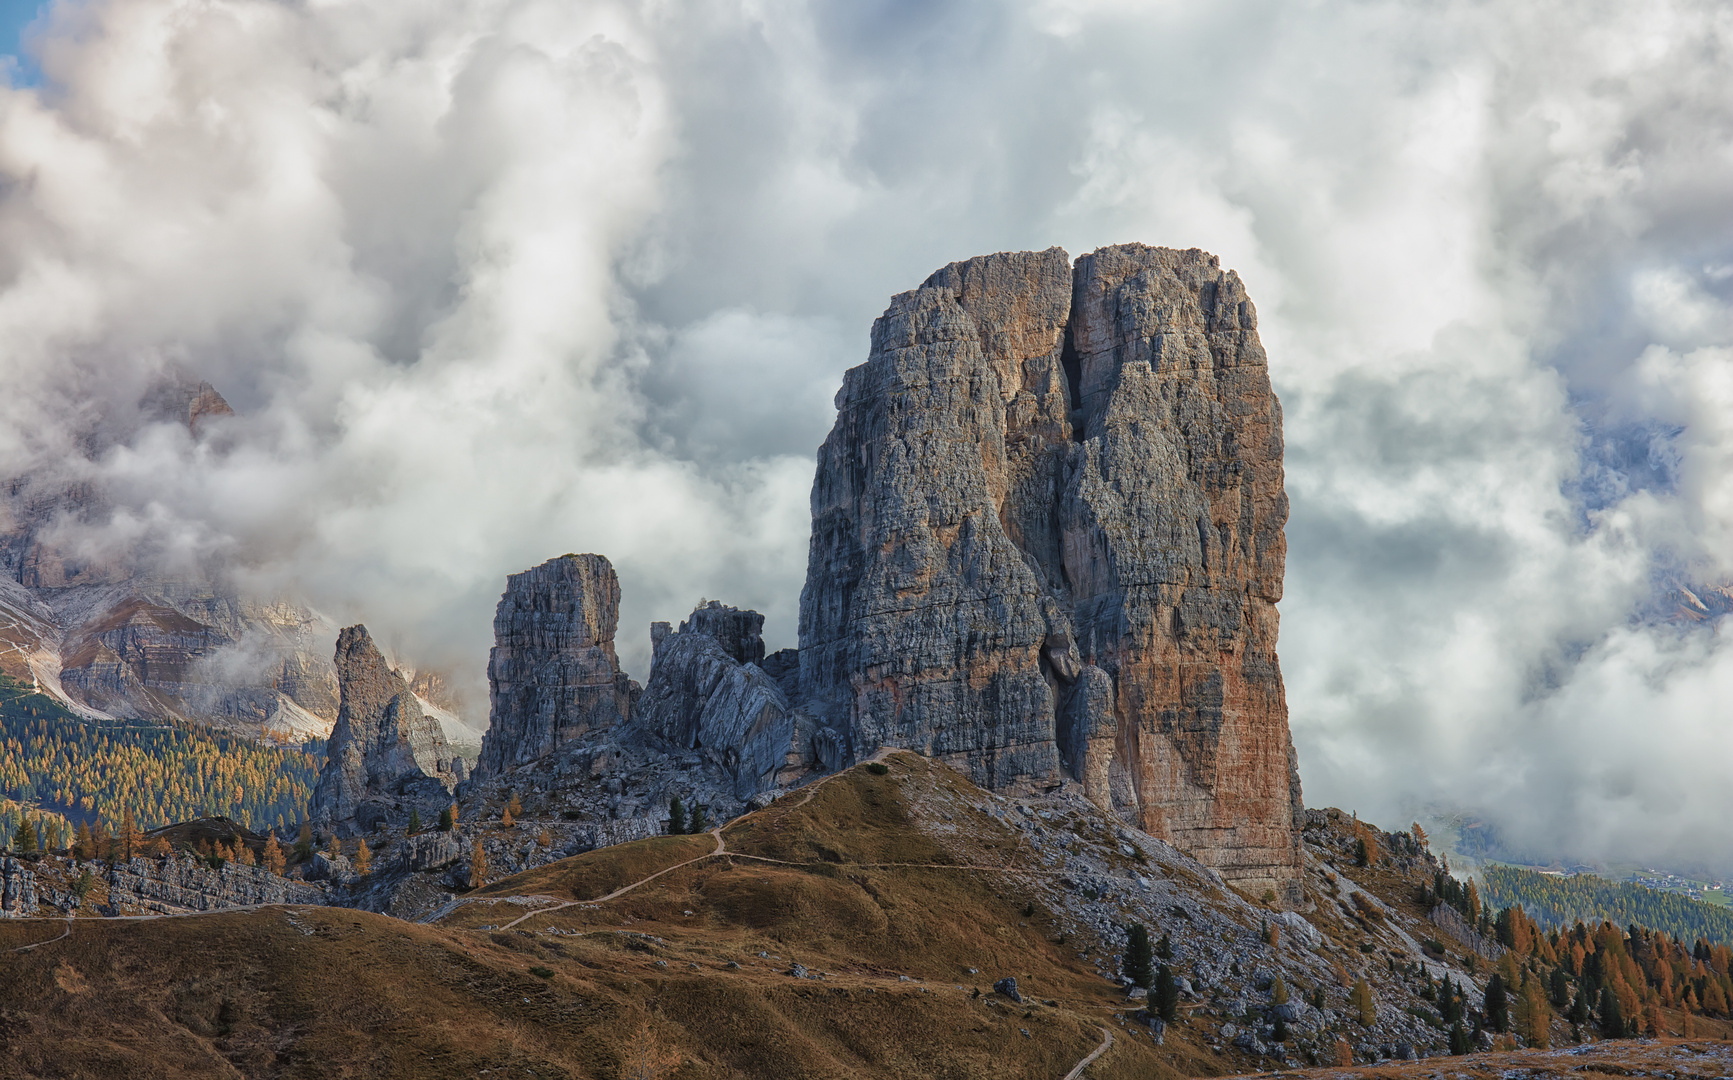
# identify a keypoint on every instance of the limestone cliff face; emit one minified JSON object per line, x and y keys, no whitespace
{"x":553,"y":675}
{"x":1047,"y":543}
{"x":708,"y":692}
{"x":385,"y":757}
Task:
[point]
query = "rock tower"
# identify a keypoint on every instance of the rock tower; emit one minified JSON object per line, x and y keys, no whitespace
{"x":553,"y":675}
{"x":385,"y":757}
{"x":1047,"y":542}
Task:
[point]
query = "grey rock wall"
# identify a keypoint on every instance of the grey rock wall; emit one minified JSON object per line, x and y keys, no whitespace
{"x":177,"y":883}
{"x":1047,"y":545}
{"x":385,"y":757}
{"x":18,"y":898}
{"x":553,"y":675}
{"x":708,"y":693}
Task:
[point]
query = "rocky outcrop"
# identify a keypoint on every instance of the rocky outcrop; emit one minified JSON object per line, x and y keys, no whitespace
{"x":1047,"y":544}
{"x":18,"y":898}
{"x":176,"y":883}
{"x":553,"y":675}
{"x":385,"y":758}
{"x":708,"y":693}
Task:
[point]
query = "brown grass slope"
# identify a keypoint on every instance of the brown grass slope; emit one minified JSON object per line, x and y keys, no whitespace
{"x":686,"y":976}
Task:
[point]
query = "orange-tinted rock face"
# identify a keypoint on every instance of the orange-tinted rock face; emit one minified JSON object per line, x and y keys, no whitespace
{"x":1047,"y":543}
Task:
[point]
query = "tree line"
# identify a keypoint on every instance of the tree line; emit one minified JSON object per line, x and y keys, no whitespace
{"x":67,"y":770}
{"x":1555,"y":902}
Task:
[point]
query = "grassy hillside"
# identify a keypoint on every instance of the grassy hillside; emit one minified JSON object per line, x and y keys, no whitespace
{"x":79,"y":769}
{"x":1555,"y":902}
{"x":689,"y":973}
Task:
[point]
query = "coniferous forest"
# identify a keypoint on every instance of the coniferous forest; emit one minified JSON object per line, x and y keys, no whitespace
{"x":1555,"y":902}
{"x":65,"y":769}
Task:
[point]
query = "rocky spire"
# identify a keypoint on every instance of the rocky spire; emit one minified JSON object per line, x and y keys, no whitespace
{"x":385,"y":757}
{"x":553,"y":675}
{"x":1047,"y":542}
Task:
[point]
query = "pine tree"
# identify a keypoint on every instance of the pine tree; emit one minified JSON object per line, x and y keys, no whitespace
{"x":1165,"y":992}
{"x":26,"y":838}
{"x":1612,"y":1016}
{"x":1459,"y":1041}
{"x":477,"y":865}
{"x":1361,"y":999}
{"x":676,"y":816}
{"x":447,"y":818}
{"x":1139,"y":964}
{"x":363,"y":859}
{"x":1560,"y":987}
{"x":1449,"y":1004}
{"x":698,"y":823}
{"x":304,"y":843}
{"x":1279,"y":1030}
{"x":1497,"y":1004}
{"x":414,"y":822}
{"x":1361,"y":856}
{"x":1164,"y":948}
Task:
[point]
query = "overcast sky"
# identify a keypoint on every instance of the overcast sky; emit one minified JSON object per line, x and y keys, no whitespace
{"x":492,"y":281}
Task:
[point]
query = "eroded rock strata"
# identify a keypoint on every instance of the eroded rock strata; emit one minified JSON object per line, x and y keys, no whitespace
{"x":1047,"y":544}
{"x":385,"y":758}
{"x":553,"y":675}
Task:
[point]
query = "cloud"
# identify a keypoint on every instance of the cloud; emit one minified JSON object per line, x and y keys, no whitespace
{"x":491,"y":280}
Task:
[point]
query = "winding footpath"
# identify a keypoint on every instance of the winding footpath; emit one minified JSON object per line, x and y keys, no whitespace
{"x":1077,"y":1069}
{"x":63,"y":934}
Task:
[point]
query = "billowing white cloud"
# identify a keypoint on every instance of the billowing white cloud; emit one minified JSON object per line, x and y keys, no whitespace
{"x":490,"y":280}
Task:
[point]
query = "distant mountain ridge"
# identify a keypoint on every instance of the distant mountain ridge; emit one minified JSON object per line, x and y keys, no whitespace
{"x":112,"y":634}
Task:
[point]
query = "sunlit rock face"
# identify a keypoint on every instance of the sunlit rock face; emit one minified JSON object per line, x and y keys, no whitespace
{"x":1047,"y":544}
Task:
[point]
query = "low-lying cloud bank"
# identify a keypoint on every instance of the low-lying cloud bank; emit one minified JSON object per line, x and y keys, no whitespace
{"x":490,"y":281}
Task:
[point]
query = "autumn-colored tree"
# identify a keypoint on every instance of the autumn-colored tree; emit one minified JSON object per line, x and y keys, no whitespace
{"x":1419,"y":835}
{"x":363,"y":859}
{"x":516,"y":806}
{"x":128,"y":835}
{"x":26,"y":837}
{"x":244,"y":855}
{"x":1688,"y":1026}
{"x":83,"y":847}
{"x":1360,"y":999}
{"x":545,"y":839}
{"x":1344,"y":1054}
{"x":161,"y":847}
{"x":1533,"y":1014}
{"x":477,"y":865}
{"x":274,"y":860}
{"x":505,"y":817}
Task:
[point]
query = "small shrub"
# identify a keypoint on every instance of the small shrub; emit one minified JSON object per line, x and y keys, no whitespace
{"x":542,"y":972}
{"x":878,"y":768}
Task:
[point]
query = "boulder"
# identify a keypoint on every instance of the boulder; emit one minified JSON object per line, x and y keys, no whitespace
{"x":1008,"y":987}
{"x":430,"y":851}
